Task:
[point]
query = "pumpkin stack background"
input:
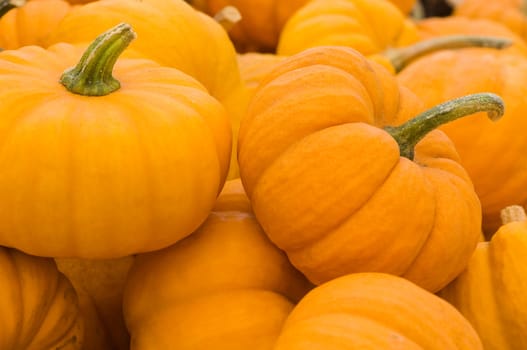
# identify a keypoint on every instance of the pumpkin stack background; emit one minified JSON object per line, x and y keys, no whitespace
{"x":276,"y":175}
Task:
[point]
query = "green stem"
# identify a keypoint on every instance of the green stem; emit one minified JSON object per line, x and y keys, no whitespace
{"x":401,"y":57}
{"x":92,"y":76}
{"x":410,"y":133}
{"x":6,"y":5}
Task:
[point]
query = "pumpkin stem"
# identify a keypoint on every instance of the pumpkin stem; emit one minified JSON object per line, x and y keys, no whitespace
{"x":401,"y":57}
{"x":227,"y":17}
{"x":92,"y":76}
{"x":513,"y":213}
{"x":411,"y":132}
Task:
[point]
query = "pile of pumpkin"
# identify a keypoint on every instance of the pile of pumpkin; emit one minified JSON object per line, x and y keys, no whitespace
{"x":277,"y":175}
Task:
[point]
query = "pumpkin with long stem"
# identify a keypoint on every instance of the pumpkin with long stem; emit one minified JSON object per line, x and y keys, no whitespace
{"x":109,"y":157}
{"x":330,"y":186}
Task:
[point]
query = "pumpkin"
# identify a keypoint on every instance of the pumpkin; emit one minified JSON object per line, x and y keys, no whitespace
{"x":224,"y":287}
{"x":85,"y":176}
{"x":373,"y":311}
{"x":369,"y":26}
{"x":40,"y":309}
{"x":32,"y":23}
{"x":491,"y":153}
{"x":490,"y":293}
{"x":100,"y":284}
{"x":209,"y":57}
{"x":329,"y":186}
{"x":510,"y":13}
{"x":433,"y":27}
{"x":254,"y":66}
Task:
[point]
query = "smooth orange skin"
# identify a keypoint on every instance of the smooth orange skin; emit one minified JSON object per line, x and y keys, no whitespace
{"x":490,"y":293}
{"x":328,"y":186}
{"x":224,"y":287}
{"x":368,"y":26}
{"x":254,"y":66}
{"x":100,"y":285}
{"x":506,"y":12}
{"x":191,"y":42}
{"x":432,"y":27}
{"x":108,"y":176}
{"x":40,"y":308}
{"x":491,"y":152}
{"x":373,"y":311}
{"x":32,"y":23}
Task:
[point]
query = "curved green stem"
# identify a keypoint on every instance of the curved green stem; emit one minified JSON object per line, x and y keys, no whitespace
{"x":92,"y":76}
{"x":401,"y":57}
{"x":410,"y":133}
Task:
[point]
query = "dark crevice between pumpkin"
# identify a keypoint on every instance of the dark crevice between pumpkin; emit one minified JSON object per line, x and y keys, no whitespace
{"x":411,"y":132}
{"x":7,"y":5}
{"x":92,"y":76}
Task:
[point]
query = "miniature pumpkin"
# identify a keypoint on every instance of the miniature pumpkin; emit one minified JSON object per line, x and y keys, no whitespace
{"x":491,"y":153}
{"x":369,"y":26}
{"x":328,"y":184}
{"x":209,"y":57}
{"x":255,"y":66}
{"x":40,"y":309}
{"x":490,"y":293}
{"x":375,"y":311}
{"x":94,"y":166}
{"x":224,"y":287}
{"x":32,"y":23}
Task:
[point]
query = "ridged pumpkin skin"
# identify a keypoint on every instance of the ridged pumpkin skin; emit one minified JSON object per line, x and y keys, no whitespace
{"x":491,"y":153}
{"x":209,"y":56}
{"x":374,"y":311}
{"x":105,"y":176}
{"x":507,"y":12}
{"x":329,"y":186}
{"x":225,"y":287}
{"x":369,"y":26}
{"x":255,"y":66}
{"x":490,"y":293}
{"x":40,"y":308}
{"x":32,"y":23}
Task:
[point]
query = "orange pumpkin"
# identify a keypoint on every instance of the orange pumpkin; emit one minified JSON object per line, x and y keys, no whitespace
{"x":492,"y":153}
{"x":510,"y":13}
{"x":32,"y":23}
{"x":369,"y":26}
{"x":255,"y":66}
{"x":490,"y":293}
{"x":89,"y":176}
{"x":100,"y":285}
{"x":209,"y":57}
{"x":224,"y":287}
{"x":375,"y":311}
{"x":329,"y":186}
{"x":40,"y":309}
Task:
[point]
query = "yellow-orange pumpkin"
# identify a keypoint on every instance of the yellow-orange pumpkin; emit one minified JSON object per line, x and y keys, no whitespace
{"x":105,"y":176}
{"x":224,"y":287}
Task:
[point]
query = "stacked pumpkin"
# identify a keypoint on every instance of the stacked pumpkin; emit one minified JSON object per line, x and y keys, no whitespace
{"x":298,"y":180}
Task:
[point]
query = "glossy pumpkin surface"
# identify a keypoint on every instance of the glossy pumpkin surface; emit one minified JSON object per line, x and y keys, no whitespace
{"x":329,"y":186}
{"x":225,"y":287}
{"x":105,"y":176}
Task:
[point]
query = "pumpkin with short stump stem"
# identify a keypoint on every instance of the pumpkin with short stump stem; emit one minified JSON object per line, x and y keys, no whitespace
{"x":100,"y":162}
{"x":340,"y":190}
{"x":490,"y":293}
